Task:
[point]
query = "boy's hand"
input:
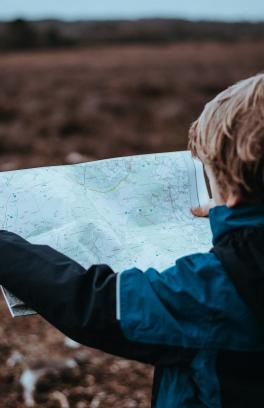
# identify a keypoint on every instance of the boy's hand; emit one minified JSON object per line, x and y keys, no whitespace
{"x":204,"y":210}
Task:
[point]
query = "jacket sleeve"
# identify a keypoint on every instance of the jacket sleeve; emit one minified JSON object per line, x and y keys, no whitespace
{"x":192,"y":304}
{"x":80,"y":303}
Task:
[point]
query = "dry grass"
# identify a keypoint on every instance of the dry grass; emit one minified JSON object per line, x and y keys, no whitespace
{"x":111,"y":101}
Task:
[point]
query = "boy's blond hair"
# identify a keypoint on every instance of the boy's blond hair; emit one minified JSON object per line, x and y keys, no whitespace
{"x":229,"y":137}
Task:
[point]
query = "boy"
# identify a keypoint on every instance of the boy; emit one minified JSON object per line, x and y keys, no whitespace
{"x":200,"y":322}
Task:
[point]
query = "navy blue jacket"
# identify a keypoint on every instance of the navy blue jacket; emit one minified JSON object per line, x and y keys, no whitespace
{"x":188,"y":321}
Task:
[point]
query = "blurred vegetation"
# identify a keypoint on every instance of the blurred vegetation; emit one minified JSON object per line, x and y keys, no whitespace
{"x":22,"y":34}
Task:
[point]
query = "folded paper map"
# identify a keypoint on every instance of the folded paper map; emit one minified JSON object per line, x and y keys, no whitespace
{"x":125,"y":212}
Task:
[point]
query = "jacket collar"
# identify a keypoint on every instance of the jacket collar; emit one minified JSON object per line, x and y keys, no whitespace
{"x":224,"y":219}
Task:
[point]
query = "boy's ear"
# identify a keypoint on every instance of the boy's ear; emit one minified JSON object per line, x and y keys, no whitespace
{"x":232,"y":200}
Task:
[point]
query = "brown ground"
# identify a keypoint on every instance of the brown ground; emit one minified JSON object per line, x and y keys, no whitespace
{"x":99,"y":103}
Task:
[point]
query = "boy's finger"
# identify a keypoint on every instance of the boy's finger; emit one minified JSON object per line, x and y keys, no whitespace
{"x":204,"y":210}
{"x":200,"y":211}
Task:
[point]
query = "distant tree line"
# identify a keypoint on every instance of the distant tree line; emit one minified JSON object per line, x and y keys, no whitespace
{"x":21,"y":34}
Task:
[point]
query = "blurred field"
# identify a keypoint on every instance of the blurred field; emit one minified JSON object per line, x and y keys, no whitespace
{"x":60,"y":107}
{"x":111,"y":101}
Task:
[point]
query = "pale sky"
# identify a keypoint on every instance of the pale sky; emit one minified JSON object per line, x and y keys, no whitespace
{"x":111,"y":9}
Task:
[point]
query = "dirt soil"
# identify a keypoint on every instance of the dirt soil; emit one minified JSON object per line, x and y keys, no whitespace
{"x":71,"y":106}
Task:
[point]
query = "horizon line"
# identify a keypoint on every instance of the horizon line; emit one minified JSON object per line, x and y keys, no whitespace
{"x":94,"y":18}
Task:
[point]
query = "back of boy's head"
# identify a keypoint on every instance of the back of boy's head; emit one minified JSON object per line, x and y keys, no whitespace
{"x":229,"y":137}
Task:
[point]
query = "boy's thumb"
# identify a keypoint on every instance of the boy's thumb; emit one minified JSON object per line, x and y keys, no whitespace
{"x":200,"y":211}
{"x":203,"y":211}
